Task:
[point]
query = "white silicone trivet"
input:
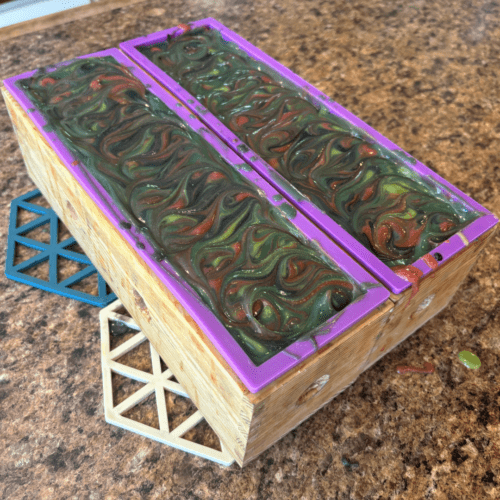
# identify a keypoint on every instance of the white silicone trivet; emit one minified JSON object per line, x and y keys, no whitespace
{"x":156,"y":382}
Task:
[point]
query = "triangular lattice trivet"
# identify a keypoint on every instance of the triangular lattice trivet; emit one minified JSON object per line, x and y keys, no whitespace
{"x":51,"y":251}
{"x":156,"y":382}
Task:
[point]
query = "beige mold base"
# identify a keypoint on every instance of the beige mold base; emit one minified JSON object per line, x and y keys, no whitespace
{"x":156,"y":382}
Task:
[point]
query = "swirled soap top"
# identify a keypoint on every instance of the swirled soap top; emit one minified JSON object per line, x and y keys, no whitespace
{"x":250,"y":265}
{"x":396,"y":213}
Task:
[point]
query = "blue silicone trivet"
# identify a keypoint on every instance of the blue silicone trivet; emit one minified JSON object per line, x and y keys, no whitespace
{"x":49,"y":251}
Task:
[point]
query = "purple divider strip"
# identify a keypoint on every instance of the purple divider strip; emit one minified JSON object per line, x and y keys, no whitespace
{"x":254,"y":377}
{"x":334,"y":230}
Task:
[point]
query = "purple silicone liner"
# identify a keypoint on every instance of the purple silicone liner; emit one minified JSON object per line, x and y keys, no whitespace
{"x":384,"y":273}
{"x":254,"y":377}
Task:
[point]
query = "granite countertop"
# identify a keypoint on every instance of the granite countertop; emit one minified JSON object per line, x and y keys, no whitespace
{"x":426,"y":75}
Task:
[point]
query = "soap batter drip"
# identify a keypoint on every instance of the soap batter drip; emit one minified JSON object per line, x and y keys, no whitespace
{"x":251,"y":266}
{"x":393,"y":211}
{"x":427,"y":368}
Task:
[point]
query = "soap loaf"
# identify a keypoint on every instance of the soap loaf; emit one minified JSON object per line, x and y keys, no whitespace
{"x":409,"y":227}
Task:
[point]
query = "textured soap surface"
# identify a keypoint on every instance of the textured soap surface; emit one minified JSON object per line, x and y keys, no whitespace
{"x":392,"y":210}
{"x":253,"y":268}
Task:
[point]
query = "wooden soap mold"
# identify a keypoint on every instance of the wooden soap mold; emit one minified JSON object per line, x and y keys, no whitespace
{"x":246,"y":423}
{"x":396,"y":284}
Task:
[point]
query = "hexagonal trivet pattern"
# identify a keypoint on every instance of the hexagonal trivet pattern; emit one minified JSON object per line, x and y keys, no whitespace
{"x":52,"y":251}
{"x":156,"y":382}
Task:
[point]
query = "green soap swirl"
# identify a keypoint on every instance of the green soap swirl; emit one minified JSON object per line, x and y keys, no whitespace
{"x":252,"y":267}
{"x":368,"y":190}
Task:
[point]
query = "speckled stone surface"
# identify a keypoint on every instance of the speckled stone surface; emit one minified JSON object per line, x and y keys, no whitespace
{"x":427,"y":75}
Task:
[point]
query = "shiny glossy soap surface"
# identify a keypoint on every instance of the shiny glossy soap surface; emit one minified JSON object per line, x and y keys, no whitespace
{"x":393,"y":211}
{"x":253,"y":268}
